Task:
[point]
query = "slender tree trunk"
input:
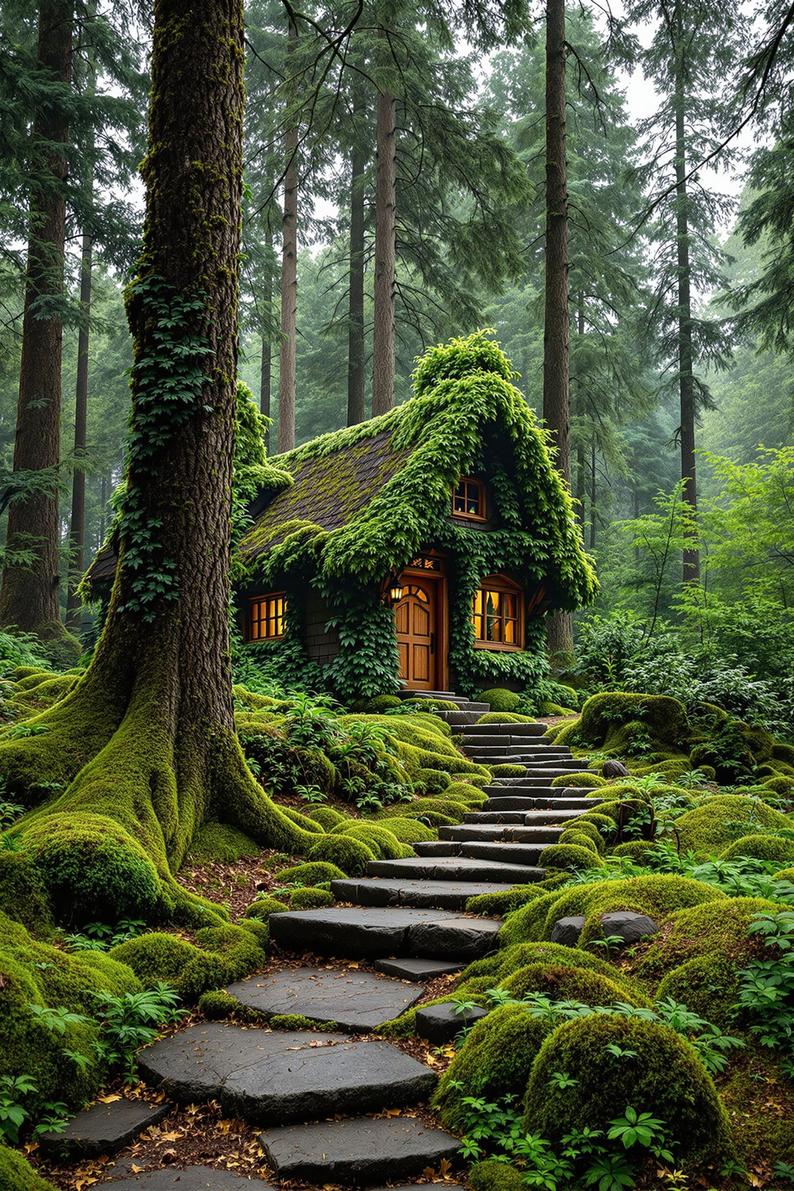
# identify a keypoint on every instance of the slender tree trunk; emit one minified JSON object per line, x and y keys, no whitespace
{"x":29,"y":593}
{"x":581,"y":481}
{"x":593,"y":494}
{"x":103,"y":514}
{"x":691,"y":559}
{"x":385,"y":257}
{"x":266,"y":361}
{"x":289,"y":280}
{"x":77,"y":521}
{"x":355,"y":335}
{"x":556,"y":399}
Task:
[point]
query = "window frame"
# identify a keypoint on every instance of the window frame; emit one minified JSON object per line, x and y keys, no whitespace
{"x":268,"y":597}
{"x":503,"y":586}
{"x":481,"y":498}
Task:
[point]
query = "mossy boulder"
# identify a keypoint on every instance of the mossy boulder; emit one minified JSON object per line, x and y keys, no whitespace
{"x":761,"y":847}
{"x":583,"y":827}
{"x":579,"y":781}
{"x":636,"y":850}
{"x":505,"y":717}
{"x":665,"y":1077}
{"x":504,"y":901}
{"x":494,"y":1061}
{"x":452,"y":810}
{"x":431,"y":781}
{"x":310,"y":899}
{"x":508,"y":770}
{"x":715,"y":928}
{"x":569,"y":983}
{"x":718,"y":821}
{"x":93,"y":870}
{"x":311,"y":873}
{"x":410,"y":831}
{"x":570,"y":856}
{"x":225,"y":954}
{"x":376,"y":837}
{"x":491,"y":1175}
{"x":16,"y":1173}
{"x":580,"y":839}
{"x":500,"y":699}
{"x":327,"y":817}
{"x":465,"y":793}
{"x":219,"y":841}
{"x":502,"y":964}
{"x":604,"y":715}
{"x":706,"y":984}
{"x":351,"y":855}
{"x":262,"y":907}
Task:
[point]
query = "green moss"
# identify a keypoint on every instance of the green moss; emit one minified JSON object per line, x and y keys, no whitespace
{"x":717,"y":928}
{"x":159,"y":956}
{"x":491,"y":1175}
{"x":636,"y":849}
{"x":706,"y":984}
{"x":579,"y":839}
{"x":219,"y":841}
{"x":504,"y":901}
{"x":580,"y":781}
{"x":22,"y":892}
{"x":504,"y":963}
{"x":376,"y":837}
{"x":451,"y":810}
{"x":605,"y":714}
{"x":505,"y":717}
{"x":327,"y":817}
{"x":262,"y":907}
{"x":312,"y":873}
{"x":218,"y":1005}
{"x":665,"y":1078}
{"x":351,"y":855}
{"x":410,"y":831}
{"x":570,"y":856}
{"x":761,"y":847}
{"x":565,"y":982}
{"x":302,"y":821}
{"x":719,"y":820}
{"x":431,"y":781}
{"x":310,"y":899}
{"x":500,"y":699}
{"x":16,"y":1173}
{"x":494,"y":1061}
{"x":508,"y":770}
{"x":582,"y":827}
{"x":778,"y":785}
{"x":465,"y":793}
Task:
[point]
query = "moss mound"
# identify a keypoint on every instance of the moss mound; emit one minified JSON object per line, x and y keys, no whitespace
{"x":569,"y":983}
{"x":410,"y":831}
{"x":464,"y":793}
{"x":226,"y":953}
{"x":761,"y":847}
{"x":93,"y":869}
{"x":500,"y":699}
{"x":262,"y":907}
{"x":503,"y":964}
{"x":706,"y":984}
{"x":720,"y":820}
{"x":495,"y":1176}
{"x":717,"y":928}
{"x":22,"y":893}
{"x":494,"y":1061}
{"x":666,"y":1078}
{"x":219,"y":841}
{"x":504,"y":901}
{"x":579,"y":781}
{"x":311,"y":873}
{"x":310,"y":899}
{"x":605,"y":716}
{"x":351,"y":855}
{"x":376,"y":837}
{"x":16,"y":1173}
{"x":505,"y":717}
{"x":508,"y":770}
{"x":570,"y":856}
{"x":326,"y":816}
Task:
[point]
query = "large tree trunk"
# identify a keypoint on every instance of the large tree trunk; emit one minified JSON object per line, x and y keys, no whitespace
{"x":29,"y":592}
{"x":686,"y":382}
{"x":77,"y":520}
{"x":144,"y":744}
{"x":266,"y":360}
{"x":593,"y":495}
{"x":385,"y":257}
{"x":289,"y":281}
{"x":355,"y":318}
{"x":556,"y":412}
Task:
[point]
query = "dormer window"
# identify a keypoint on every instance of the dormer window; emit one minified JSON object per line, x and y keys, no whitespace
{"x":468,"y":499}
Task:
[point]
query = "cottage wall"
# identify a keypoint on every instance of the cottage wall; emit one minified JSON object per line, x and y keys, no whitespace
{"x":321,"y":645}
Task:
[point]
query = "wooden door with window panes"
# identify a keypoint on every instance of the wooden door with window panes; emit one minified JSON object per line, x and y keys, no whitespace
{"x":415,"y":621}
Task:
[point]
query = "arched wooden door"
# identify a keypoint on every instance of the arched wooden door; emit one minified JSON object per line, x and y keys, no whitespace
{"x":416,"y":617}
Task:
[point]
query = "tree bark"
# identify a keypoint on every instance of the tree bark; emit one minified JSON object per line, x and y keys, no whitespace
{"x":556,"y":398}
{"x":593,"y":495}
{"x":144,"y":745}
{"x":581,"y":482}
{"x":356,"y":411}
{"x":77,"y":519}
{"x":289,"y":279}
{"x":29,"y":593}
{"x":266,"y":361}
{"x":385,"y":256}
{"x":691,"y":557}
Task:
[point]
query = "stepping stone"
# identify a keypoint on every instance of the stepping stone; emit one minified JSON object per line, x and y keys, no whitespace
{"x":284,"y":1077}
{"x":490,"y":832}
{"x":382,"y":931}
{"x":454,"y":868}
{"x":188,"y":1178}
{"x":528,"y":854}
{"x":441,"y":1023}
{"x":420,"y":969}
{"x":102,"y":1129}
{"x":380,"y":891}
{"x":358,"y":1151}
{"x":356,"y":1001}
{"x":434,"y":847}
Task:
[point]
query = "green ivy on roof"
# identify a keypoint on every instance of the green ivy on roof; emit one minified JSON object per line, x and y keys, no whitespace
{"x":365,"y":500}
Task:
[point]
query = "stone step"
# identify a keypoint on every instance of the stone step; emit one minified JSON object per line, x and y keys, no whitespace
{"x":510,"y":752}
{"x":348,"y":998}
{"x":458,"y":719}
{"x":456,"y":868}
{"x":385,"y":891}
{"x":284,"y":1077}
{"x":494,"y":817}
{"x":517,"y":814}
{"x":102,"y":1129}
{"x":526,"y":854}
{"x":506,"y":800}
{"x":364,"y":932}
{"x":419,"y":970}
{"x":434,"y":847}
{"x":493,"y":833}
{"x":507,"y":728}
{"x":535,"y":817}
{"x":442,"y":1023}
{"x":187,"y":1178}
{"x":533,"y":777}
{"x":495,"y":744}
{"x":357,"y":1152}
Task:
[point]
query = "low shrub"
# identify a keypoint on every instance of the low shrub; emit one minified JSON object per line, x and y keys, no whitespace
{"x":431,"y":781}
{"x":160,"y":957}
{"x":465,"y":793}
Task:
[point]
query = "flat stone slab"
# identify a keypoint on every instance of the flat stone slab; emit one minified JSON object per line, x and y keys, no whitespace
{"x":283,"y":1077}
{"x":527,"y":854}
{"x":358,"y":1152}
{"x":371,"y":932}
{"x":420,"y":969}
{"x":102,"y":1129}
{"x":355,"y":1001}
{"x":441,"y":1023}
{"x":188,"y":1178}
{"x":454,"y":868}
{"x":496,"y":833}
{"x":384,"y":891}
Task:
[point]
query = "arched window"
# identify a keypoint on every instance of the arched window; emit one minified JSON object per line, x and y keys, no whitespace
{"x":266,"y":615}
{"x":498,"y":614}
{"x":468,"y":499}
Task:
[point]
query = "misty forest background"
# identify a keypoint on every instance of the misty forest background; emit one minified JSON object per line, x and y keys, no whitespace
{"x":680,"y":284}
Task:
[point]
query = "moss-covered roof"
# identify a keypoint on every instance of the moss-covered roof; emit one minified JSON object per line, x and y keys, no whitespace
{"x":364,"y":501}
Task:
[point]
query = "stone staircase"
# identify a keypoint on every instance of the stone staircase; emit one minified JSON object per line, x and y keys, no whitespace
{"x":340,"y":1107}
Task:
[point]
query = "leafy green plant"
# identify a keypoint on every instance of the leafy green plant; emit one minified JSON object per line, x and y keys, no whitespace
{"x":766,"y":987}
{"x":132,"y":1020}
{"x":20,"y":1107}
{"x":312,"y":794}
{"x":100,"y":936}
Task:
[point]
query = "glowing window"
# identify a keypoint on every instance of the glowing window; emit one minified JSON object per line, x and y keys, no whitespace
{"x":496,"y":614}
{"x":266,"y":617}
{"x":468,"y":499}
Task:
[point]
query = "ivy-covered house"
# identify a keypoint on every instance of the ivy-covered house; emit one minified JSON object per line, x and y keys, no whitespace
{"x":422,"y":548}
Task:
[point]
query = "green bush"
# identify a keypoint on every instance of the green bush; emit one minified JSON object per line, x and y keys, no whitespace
{"x":761,"y":847}
{"x":570,"y":856}
{"x":579,"y":781}
{"x":219,"y":841}
{"x":494,"y":1061}
{"x":315,"y":873}
{"x":410,"y":831}
{"x":376,"y":837}
{"x":664,"y":1076}
{"x":310,"y":899}
{"x":93,"y":870}
{"x":351,"y":855}
{"x":327,"y":817}
{"x":500,"y":699}
{"x":16,"y":1173}
{"x":565,"y":982}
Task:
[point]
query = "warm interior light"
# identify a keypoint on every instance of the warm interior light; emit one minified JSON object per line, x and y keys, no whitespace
{"x":395,"y":591}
